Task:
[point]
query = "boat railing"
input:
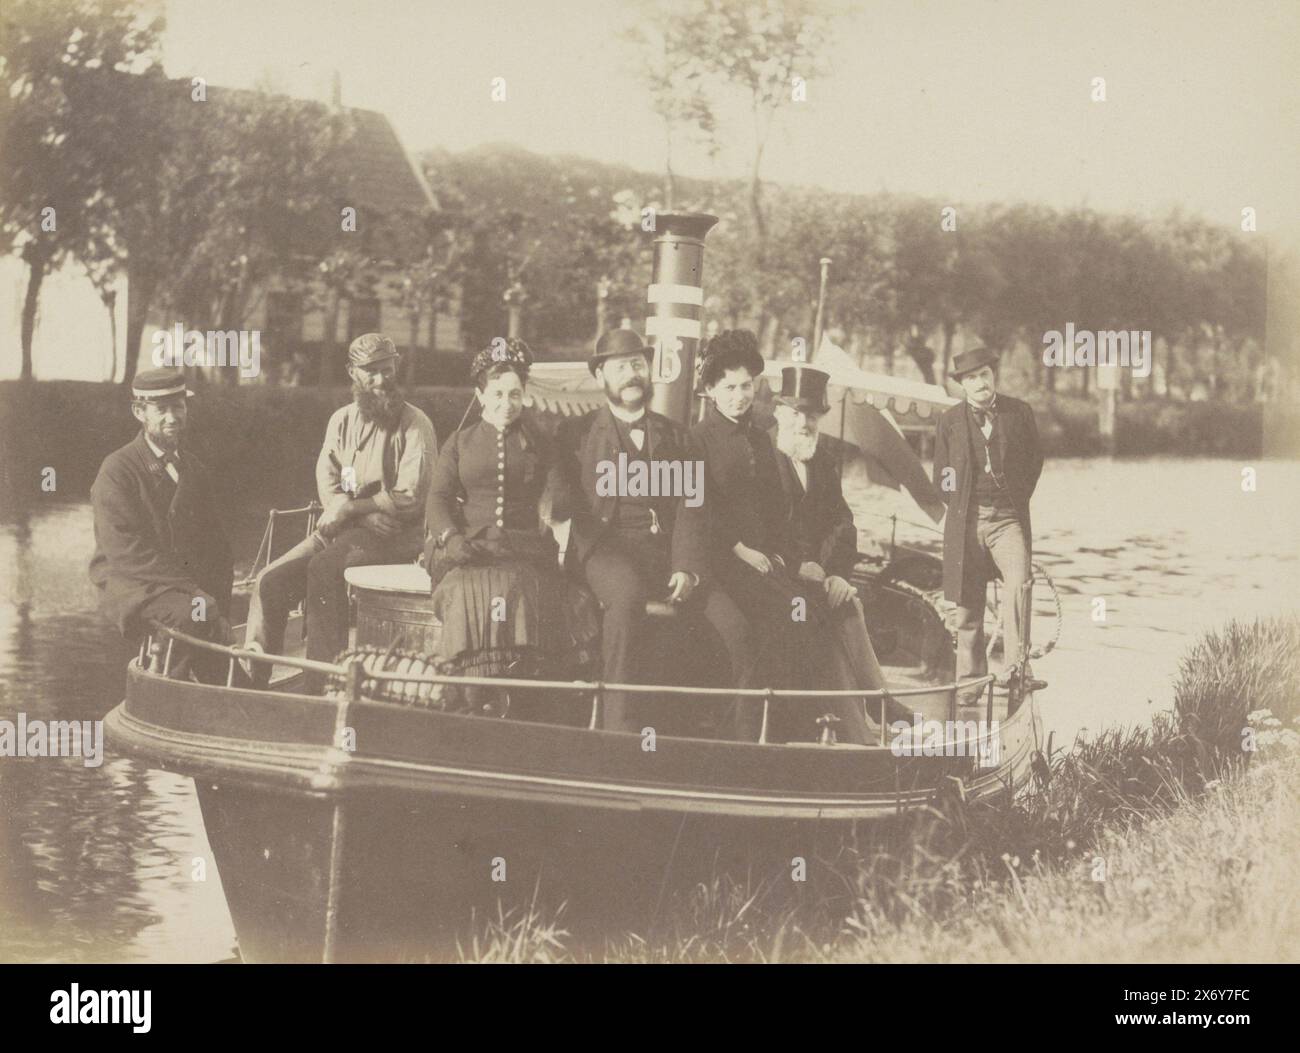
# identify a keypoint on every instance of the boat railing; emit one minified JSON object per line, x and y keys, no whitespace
{"x":266,"y":548}
{"x":353,"y":674}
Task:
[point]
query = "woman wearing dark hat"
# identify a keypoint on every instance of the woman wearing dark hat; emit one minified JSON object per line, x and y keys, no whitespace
{"x":752,"y":549}
{"x":498,"y":588}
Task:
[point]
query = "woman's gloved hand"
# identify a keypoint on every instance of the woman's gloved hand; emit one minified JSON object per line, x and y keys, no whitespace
{"x":457,"y":549}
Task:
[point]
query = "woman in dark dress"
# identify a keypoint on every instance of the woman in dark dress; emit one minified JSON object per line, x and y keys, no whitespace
{"x":498,"y":589}
{"x":753,"y":553}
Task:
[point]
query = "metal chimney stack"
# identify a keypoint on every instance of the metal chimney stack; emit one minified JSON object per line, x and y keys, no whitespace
{"x":676,"y":300}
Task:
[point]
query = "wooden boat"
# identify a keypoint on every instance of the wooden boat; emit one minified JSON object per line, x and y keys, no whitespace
{"x":359,"y":826}
{"x":390,"y":849}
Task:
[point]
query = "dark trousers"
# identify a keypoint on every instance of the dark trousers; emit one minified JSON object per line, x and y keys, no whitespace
{"x":624,"y":572}
{"x":313,"y":570}
{"x":175,"y":610}
{"x":824,"y":649}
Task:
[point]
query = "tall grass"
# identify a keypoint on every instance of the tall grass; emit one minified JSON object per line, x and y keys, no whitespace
{"x":1153,"y":830}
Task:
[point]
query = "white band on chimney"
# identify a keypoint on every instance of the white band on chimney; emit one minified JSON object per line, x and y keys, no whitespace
{"x":685,"y":294}
{"x":657,"y":325}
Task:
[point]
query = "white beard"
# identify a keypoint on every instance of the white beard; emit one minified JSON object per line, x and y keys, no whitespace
{"x":796,"y":447}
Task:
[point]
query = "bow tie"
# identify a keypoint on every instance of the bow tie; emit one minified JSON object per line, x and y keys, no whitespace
{"x":981,"y":415}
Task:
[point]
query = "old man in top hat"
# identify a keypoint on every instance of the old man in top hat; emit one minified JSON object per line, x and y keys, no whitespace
{"x":372,"y":478}
{"x":630,"y":548}
{"x":826,"y":540}
{"x":162,"y":555}
{"x":987,"y":460}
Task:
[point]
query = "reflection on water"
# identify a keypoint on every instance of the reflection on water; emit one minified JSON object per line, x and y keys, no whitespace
{"x":1173,"y":548}
{"x":96,"y":864}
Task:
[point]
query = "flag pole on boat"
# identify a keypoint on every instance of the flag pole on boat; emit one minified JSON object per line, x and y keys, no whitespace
{"x":818,"y":328}
{"x":821,"y":304}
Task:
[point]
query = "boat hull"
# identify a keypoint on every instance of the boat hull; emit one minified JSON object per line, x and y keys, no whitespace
{"x":398,"y":848}
{"x":417,"y":877}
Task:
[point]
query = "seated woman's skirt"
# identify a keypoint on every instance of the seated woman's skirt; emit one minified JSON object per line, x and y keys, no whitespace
{"x":511,"y":601}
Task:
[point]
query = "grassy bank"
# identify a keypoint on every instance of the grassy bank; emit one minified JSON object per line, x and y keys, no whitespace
{"x":1173,"y":842}
{"x":1069,"y":428}
{"x":1213,"y":881}
{"x":262,"y":441}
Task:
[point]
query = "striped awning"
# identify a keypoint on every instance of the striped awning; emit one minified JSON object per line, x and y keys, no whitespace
{"x":566,"y":388}
{"x":909,"y":402}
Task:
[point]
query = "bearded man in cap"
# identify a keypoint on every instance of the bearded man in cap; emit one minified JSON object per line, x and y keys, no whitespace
{"x":633,"y":548}
{"x":826,"y":542}
{"x":162,"y":555}
{"x":372,"y":478}
{"x":987,"y":460}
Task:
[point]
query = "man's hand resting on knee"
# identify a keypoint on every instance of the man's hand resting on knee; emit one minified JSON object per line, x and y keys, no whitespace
{"x":381,"y":523}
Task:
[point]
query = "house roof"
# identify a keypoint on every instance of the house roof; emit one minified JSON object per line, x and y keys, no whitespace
{"x":385,"y":172}
{"x":382,"y":178}
{"x":378,"y":176}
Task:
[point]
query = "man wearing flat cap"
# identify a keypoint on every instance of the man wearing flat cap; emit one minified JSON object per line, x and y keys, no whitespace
{"x":987,"y":460}
{"x":630,"y":548}
{"x":162,"y":555}
{"x":372,"y":478}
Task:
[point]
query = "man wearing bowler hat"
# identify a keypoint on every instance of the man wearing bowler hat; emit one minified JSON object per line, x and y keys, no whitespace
{"x":372,"y":477}
{"x":987,"y":461}
{"x":632,"y":548}
{"x":162,"y":555}
{"x":826,"y":539}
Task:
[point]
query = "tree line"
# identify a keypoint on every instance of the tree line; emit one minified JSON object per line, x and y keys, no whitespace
{"x":205,"y":198}
{"x":911,"y":277}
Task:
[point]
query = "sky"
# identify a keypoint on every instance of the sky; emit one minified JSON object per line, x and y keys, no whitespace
{"x":957,"y":100}
{"x":964,"y":100}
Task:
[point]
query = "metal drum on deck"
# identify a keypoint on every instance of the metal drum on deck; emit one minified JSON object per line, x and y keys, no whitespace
{"x":394,"y":607}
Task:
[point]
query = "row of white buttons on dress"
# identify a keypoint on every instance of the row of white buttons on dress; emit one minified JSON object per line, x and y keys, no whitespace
{"x":501,"y":479}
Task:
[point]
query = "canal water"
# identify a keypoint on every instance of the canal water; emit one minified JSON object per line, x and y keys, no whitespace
{"x":103,"y":864}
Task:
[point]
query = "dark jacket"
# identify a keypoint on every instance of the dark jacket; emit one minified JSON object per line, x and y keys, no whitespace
{"x":1016,"y":435}
{"x":594,"y":438}
{"x":820,"y":519}
{"x":743,"y":492}
{"x":471,"y":494}
{"x":153,"y":535}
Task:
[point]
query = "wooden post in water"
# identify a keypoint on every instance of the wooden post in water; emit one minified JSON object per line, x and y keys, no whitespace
{"x":1107,"y":393}
{"x":676,"y":302}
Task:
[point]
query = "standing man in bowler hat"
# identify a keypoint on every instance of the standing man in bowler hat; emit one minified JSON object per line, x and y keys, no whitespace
{"x":987,"y":460}
{"x":162,"y":555}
